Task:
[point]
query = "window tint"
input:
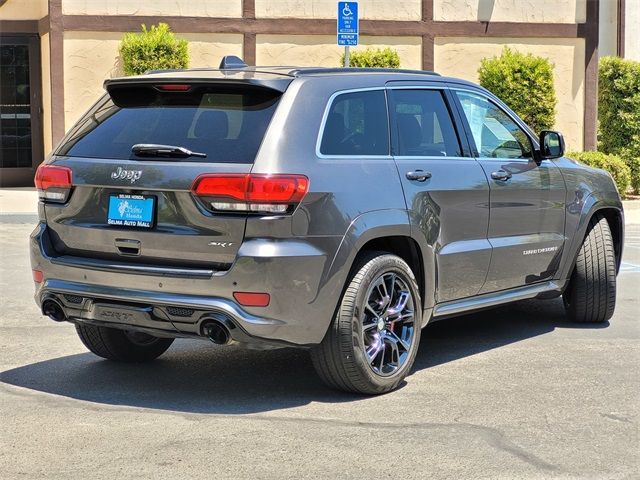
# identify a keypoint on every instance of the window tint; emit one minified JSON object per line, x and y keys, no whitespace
{"x":425,"y":128}
{"x":357,"y":125}
{"x":227,"y":125}
{"x":495,"y":134}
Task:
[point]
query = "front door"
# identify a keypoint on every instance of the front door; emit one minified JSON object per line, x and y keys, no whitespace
{"x":526,"y":227}
{"x":20,"y":110}
{"x":445,"y":189}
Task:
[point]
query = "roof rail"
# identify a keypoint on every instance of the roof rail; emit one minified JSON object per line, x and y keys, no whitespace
{"x":164,"y":70}
{"x":316,"y":70}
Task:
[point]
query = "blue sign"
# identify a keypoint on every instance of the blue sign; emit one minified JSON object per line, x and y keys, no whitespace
{"x":348,"y":28}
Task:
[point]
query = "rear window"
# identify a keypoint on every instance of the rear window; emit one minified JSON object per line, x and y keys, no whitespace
{"x":226,"y":124}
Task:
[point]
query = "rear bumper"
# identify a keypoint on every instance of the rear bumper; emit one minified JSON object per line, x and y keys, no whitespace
{"x":166,"y":304}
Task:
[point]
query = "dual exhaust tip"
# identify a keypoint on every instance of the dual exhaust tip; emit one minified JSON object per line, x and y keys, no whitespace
{"x":214,"y":330}
{"x":52,"y":309}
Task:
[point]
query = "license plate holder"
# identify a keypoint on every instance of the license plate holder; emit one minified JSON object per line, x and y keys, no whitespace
{"x":131,"y":210}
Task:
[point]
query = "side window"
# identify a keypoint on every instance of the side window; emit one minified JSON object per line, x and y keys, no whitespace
{"x":424,"y":125}
{"x":357,"y":125}
{"x":495,"y":134}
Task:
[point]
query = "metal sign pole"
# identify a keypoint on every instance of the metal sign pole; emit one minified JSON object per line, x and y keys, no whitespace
{"x":348,"y":29}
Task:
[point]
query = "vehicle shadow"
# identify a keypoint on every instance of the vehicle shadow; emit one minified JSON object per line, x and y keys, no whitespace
{"x":202,"y":378}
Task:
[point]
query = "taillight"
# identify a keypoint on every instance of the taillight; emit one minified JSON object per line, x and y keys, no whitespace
{"x":53,"y":183}
{"x":246,"y":192}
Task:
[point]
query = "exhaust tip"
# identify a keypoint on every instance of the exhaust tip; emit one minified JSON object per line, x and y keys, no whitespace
{"x":216,"y":332}
{"x":52,"y":309}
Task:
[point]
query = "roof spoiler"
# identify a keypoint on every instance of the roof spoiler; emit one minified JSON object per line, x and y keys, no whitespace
{"x":231,"y":62}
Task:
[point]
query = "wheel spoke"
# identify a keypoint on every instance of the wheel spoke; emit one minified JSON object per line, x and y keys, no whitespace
{"x":403,"y":343}
{"x":404,"y":317}
{"x":394,"y":361}
{"x":401,"y":304}
{"x":369,"y":326}
{"x":371,"y":309}
{"x":375,"y":348}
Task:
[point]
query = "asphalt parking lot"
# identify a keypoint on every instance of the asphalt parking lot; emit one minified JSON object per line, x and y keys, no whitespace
{"x":515,"y":392}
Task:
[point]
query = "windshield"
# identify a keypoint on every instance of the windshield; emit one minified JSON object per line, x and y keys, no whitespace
{"x":226,"y":124}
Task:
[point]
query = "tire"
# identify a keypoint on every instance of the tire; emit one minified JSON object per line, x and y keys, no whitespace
{"x":345,"y":358}
{"x":591,"y":294}
{"x":121,"y":345}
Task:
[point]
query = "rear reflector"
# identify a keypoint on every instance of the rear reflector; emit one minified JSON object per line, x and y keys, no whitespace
{"x":252,"y":299}
{"x":174,"y":87}
{"x":38,"y":276}
{"x":247,"y":192}
{"x":53,"y":183}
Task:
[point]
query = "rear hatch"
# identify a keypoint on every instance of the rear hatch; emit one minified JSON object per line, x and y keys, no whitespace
{"x":133,"y":161}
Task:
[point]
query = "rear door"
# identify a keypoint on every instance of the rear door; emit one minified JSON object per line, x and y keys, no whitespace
{"x":445,"y":189}
{"x":138,"y":206}
{"x":526,"y":229}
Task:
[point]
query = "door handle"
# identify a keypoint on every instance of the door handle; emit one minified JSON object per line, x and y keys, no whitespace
{"x":418,"y":175}
{"x":501,"y":175}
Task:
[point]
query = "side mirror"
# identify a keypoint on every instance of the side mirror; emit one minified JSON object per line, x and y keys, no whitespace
{"x":551,"y":144}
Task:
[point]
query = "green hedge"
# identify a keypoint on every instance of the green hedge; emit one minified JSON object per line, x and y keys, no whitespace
{"x":524,"y":83}
{"x":153,"y":49}
{"x":373,"y":58}
{"x":619,"y":112}
{"x":613,"y":164}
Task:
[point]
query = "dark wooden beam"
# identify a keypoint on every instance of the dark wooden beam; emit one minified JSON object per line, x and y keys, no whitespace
{"x":591,"y":75}
{"x":621,"y":28}
{"x":306,"y":26}
{"x":56,"y":46}
{"x":18,"y":26}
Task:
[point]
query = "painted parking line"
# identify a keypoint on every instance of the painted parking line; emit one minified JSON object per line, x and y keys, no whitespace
{"x":629,"y":267}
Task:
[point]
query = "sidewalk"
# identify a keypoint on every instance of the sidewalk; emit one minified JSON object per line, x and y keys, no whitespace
{"x":18,"y":205}
{"x":18,"y":201}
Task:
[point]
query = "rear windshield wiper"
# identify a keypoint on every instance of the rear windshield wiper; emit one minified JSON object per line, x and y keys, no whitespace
{"x":155,"y":150}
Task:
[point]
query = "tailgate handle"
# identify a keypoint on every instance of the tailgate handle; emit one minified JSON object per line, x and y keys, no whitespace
{"x":128,"y":246}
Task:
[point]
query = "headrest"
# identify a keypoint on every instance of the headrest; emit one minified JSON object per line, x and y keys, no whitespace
{"x":409,"y":130}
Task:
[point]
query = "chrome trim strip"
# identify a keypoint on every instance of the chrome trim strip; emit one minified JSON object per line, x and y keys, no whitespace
{"x":493,"y":299}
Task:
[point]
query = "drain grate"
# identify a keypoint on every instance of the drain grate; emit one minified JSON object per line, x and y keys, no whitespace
{"x":180,"y":312}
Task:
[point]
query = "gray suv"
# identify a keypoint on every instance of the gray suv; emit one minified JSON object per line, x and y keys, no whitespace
{"x":339,"y":210}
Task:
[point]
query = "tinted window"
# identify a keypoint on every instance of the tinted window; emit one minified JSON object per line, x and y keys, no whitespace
{"x":425,"y":128}
{"x":495,"y":134}
{"x":357,"y":125}
{"x":227,"y":125}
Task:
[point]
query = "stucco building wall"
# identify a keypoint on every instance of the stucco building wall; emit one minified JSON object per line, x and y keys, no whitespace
{"x":321,"y":50}
{"x":534,"y":11}
{"x":368,"y":9}
{"x":187,"y":8}
{"x":632,"y":31}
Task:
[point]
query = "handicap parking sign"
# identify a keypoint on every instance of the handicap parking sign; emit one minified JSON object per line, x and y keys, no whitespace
{"x":348,"y":28}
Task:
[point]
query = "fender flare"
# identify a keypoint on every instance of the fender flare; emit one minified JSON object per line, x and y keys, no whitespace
{"x":379,"y":224}
{"x":594,"y":202}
